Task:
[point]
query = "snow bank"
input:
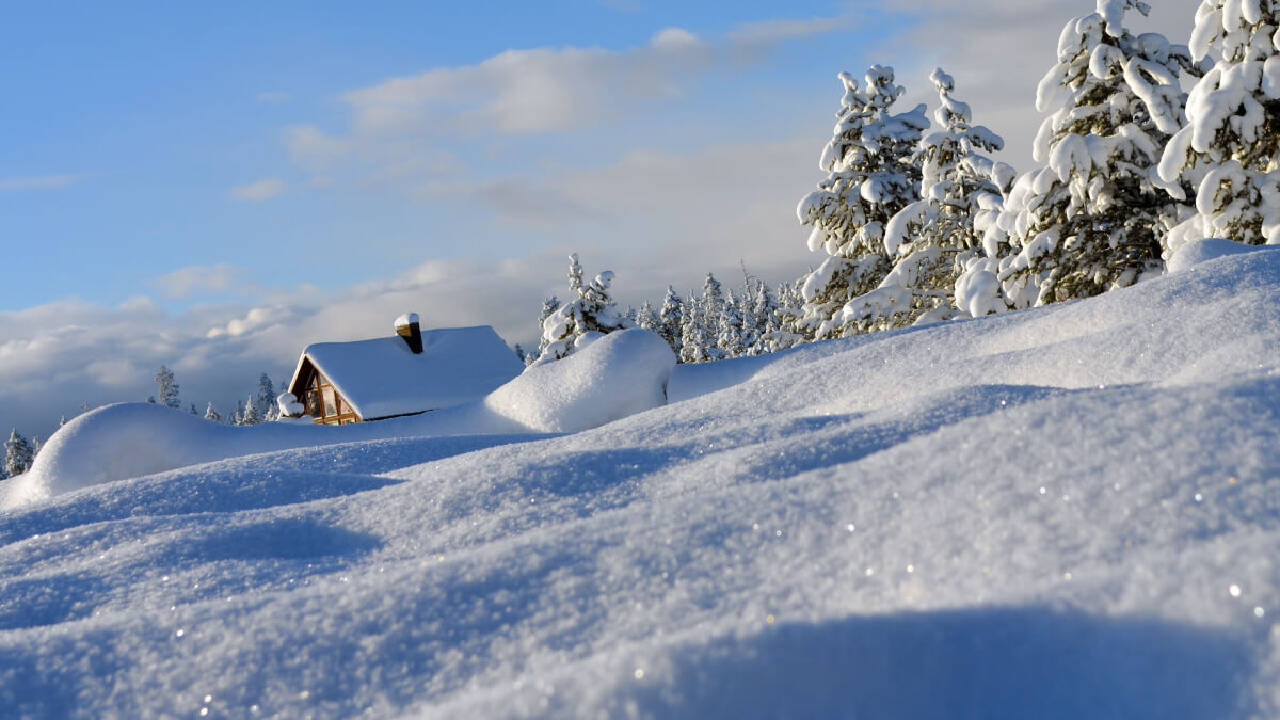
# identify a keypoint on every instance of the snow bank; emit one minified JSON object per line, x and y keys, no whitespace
{"x":1194,"y":253}
{"x":133,"y":439}
{"x":611,"y":377}
{"x":1067,"y":512}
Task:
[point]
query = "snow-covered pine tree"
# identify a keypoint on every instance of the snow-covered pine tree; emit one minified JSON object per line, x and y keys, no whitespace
{"x":1094,"y":218}
{"x":671,"y":319}
{"x":693,"y":336}
{"x":646,"y":318}
{"x":549,"y":306}
{"x":871,"y":177}
{"x":594,"y":311}
{"x":729,"y":336}
{"x":211,"y":414}
{"x":930,"y":240}
{"x":1228,"y":152}
{"x":264,"y":401}
{"x":765,"y":318}
{"x":167,"y":389}
{"x":249,"y":413}
{"x":18,"y":454}
{"x":193,"y":410}
{"x":711,"y":311}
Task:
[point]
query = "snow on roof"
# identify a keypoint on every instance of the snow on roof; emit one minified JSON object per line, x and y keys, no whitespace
{"x":382,"y":377}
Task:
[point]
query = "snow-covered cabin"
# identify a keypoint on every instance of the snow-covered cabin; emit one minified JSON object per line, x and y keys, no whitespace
{"x":409,"y":373}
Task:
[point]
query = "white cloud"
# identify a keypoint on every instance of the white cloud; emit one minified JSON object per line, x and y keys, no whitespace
{"x":39,"y":182}
{"x":772,"y":32}
{"x":531,"y":91}
{"x":187,"y":281}
{"x":259,"y":190}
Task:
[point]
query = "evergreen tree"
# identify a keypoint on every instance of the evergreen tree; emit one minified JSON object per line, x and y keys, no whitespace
{"x":931,"y":239}
{"x":693,"y":340}
{"x":211,"y":414}
{"x":1228,"y":152}
{"x":790,"y":319}
{"x":710,"y":313}
{"x":193,"y":410}
{"x":646,"y":318}
{"x":729,"y":337}
{"x":264,"y":401}
{"x":249,"y":413}
{"x":167,"y":389}
{"x":871,"y":177}
{"x":18,"y":454}
{"x":671,"y":320}
{"x":594,"y":311}
{"x":238,"y":417}
{"x":521,"y":354}
{"x":1094,"y":218}
{"x":549,"y":306}
{"x":765,"y":313}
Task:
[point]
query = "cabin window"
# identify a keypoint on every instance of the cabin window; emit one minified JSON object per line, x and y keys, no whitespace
{"x":324,"y":403}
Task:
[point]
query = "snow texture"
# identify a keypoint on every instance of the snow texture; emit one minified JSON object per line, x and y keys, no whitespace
{"x":382,"y":377}
{"x":1063,"y":512}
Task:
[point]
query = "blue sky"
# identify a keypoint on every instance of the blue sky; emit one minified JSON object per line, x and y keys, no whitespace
{"x":213,"y":186}
{"x":129,"y":128}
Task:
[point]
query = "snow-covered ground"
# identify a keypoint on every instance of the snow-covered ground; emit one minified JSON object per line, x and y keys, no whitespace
{"x":1068,"y":512}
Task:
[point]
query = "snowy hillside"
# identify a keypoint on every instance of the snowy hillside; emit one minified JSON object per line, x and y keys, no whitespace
{"x":1065,"y":512}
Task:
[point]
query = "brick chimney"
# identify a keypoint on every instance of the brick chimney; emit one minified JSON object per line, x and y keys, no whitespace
{"x":407,"y":328}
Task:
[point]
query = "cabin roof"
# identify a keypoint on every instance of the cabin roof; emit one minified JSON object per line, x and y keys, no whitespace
{"x":381,"y":377}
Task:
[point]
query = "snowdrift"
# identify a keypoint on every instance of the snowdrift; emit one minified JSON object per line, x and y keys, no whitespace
{"x":1066,"y":512}
{"x":619,"y":375}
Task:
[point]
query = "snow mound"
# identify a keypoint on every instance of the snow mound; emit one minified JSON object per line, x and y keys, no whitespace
{"x":613,"y":376}
{"x":1194,"y":253}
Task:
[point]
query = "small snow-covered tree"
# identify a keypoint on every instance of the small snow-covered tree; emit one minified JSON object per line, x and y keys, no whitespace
{"x":594,"y":311}
{"x":871,"y":177}
{"x":167,"y":389}
{"x":693,"y":335}
{"x":249,"y":413}
{"x":1229,"y":149}
{"x":1095,"y":217}
{"x":646,"y":318}
{"x":931,"y":239}
{"x":549,"y":306}
{"x":211,"y":414}
{"x":729,"y":337}
{"x":264,"y":401}
{"x":18,"y":454}
{"x":671,"y":319}
{"x":711,"y":312}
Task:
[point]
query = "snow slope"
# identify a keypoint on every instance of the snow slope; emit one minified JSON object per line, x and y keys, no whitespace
{"x":1067,"y":512}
